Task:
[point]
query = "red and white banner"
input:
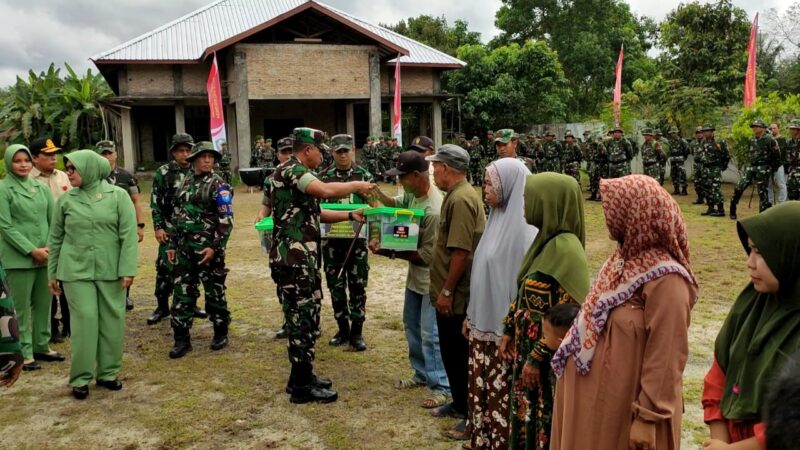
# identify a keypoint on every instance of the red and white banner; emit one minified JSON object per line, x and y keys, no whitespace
{"x":750,"y":73}
{"x":618,"y":87}
{"x":397,"y":127}
{"x":218,"y":134}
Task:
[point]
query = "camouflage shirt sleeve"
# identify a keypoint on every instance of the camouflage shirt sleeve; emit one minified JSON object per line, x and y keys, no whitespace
{"x":222,"y":196}
{"x":156,"y":197}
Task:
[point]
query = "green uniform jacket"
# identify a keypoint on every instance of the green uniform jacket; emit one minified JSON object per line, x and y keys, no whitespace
{"x":93,"y":235}
{"x":25,"y":211}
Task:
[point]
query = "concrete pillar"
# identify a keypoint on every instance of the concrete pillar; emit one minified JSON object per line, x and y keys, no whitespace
{"x":230,"y":130}
{"x":128,"y":153}
{"x":350,"y":119}
{"x":180,"y":118}
{"x":242,"y":109}
{"x":424,"y":120}
{"x":436,"y":112}
{"x":375,"y":94}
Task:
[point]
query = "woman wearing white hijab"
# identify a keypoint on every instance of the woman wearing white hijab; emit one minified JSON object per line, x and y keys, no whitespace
{"x":493,"y":286}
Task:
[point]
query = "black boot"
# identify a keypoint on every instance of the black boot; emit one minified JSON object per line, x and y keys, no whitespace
{"x":320,"y":382}
{"x":709,"y":211}
{"x":282,"y":333}
{"x":720,"y":212}
{"x":303,"y":388}
{"x":676,"y":191}
{"x":200,"y":313}
{"x":356,"y":338}
{"x":128,"y":304}
{"x":699,"y":200}
{"x":183,"y":344}
{"x":161,"y":311}
{"x":733,"y":210}
{"x":220,"y":339}
{"x":343,"y":335}
{"x":683,"y":192}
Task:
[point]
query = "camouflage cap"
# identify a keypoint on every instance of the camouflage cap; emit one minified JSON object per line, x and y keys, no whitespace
{"x":310,"y":136}
{"x":181,"y":138}
{"x":617,"y":127}
{"x":258,"y":136}
{"x":569,"y":134}
{"x":698,"y":130}
{"x":268,"y":141}
{"x":659,"y":132}
{"x":105,"y":146}
{"x":549,"y":132}
{"x":708,"y":127}
{"x":586,"y":132}
{"x":203,"y":147}
{"x":674,"y":130}
{"x":285,"y":143}
{"x":488,"y":132}
{"x":505,"y":135}
{"x":475,"y":139}
{"x":758,"y":123}
{"x":794,"y":124}
{"x":647,"y":132}
{"x":342,"y":142}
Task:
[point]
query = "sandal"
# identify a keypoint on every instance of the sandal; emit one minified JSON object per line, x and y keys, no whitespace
{"x":447,"y":411}
{"x":436,"y":400}
{"x":458,"y":432}
{"x":408,"y":383}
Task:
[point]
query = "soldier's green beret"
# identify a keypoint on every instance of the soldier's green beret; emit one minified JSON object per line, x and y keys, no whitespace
{"x":342,"y":142}
{"x":105,"y":146}
{"x":181,"y":138}
{"x":674,"y":130}
{"x":794,"y":124}
{"x":204,"y":147}
{"x":708,"y":127}
{"x":758,"y":123}
{"x":505,"y":135}
{"x":647,"y":132}
{"x":310,"y":136}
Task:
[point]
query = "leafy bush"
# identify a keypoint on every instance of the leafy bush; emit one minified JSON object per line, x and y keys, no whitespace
{"x":772,"y":108}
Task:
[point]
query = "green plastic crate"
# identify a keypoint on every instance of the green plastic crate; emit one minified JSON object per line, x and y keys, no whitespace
{"x":342,"y":230}
{"x":264,"y":230}
{"x":395,"y":228}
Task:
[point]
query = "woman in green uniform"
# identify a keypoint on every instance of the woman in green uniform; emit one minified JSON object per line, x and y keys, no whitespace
{"x":25,"y":209}
{"x":93,"y":252}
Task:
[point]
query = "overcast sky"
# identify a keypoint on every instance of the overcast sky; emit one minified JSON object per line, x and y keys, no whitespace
{"x":37,"y":32}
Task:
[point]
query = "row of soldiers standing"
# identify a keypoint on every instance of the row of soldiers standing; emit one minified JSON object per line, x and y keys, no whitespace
{"x":379,"y":155}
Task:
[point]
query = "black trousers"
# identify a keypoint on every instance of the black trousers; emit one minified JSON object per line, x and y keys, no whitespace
{"x":455,"y":356}
{"x":62,"y":301}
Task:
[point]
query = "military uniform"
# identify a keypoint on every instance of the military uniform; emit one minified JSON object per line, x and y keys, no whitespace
{"x":349,"y":315}
{"x":224,"y":166}
{"x":678,"y":152}
{"x":552,"y":152}
{"x":696,"y":148}
{"x":203,"y":218}
{"x":368,"y":157}
{"x":662,"y":162}
{"x":597,"y":166}
{"x":572,"y":159}
{"x":792,"y":164}
{"x":765,"y":158}
{"x":652,"y":155}
{"x":166,"y":181}
{"x":715,"y":157}
{"x":476,"y":166}
{"x":267,"y":155}
{"x":620,"y":153}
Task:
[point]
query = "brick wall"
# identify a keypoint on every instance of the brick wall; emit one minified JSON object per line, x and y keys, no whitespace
{"x":415,"y":80}
{"x":155,"y":80}
{"x":194,"y":78}
{"x":277,"y":71}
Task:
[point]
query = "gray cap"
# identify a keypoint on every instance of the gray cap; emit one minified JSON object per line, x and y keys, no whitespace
{"x":452,"y":155}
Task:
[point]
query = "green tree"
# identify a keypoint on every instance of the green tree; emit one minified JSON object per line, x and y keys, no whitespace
{"x":587,"y":35}
{"x":705,"y":46}
{"x":436,"y":33}
{"x":770,"y":108}
{"x":509,"y":86}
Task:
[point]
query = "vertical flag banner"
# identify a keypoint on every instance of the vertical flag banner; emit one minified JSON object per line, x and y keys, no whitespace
{"x":750,"y":73}
{"x":397,"y":127}
{"x":218,"y":134}
{"x":618,"y":87}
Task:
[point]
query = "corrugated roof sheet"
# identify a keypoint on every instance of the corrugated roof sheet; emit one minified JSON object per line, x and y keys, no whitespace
{"x":187,"y":38}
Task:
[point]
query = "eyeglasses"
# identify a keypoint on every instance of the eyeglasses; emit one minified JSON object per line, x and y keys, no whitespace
{"x":70,"y":169}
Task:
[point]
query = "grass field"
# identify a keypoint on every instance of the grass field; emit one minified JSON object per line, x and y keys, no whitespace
{"x":235,"y":399}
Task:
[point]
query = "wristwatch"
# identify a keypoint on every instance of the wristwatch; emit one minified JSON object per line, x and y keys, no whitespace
{"x":140,"y":225}
{"x":350,"y":215}
{"x":447,"y":292}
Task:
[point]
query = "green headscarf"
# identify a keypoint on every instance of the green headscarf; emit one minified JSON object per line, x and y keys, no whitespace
{"x":762,"y":330}
{"x":26,"y":182}
{"x":92,"y":168}
{"x":554,"y":205}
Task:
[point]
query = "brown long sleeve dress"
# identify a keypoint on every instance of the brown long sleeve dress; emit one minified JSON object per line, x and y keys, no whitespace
{"x":636,"y":372}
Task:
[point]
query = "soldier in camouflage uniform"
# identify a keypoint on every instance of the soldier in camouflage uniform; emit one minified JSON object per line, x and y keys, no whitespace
{"x":597,"y":159}
{"x":349,"y":315}
{"x":696,"y":148}
{"x":678,"y":152}
{"x":715,"y":158}
{"x":489,"y":152}
{"x":368,"y":156}
{"x":662,"y":162}
{"x":202,"y":225}
{"x":166,"y":182}
{"x":294,"y":256}
{"x":765,"y":158}
{"x":256,"y":154}
{"x":506,"y":142}
{"x":223,"y":165}
{"x":267,"y":155}
{"x":572,"y":157}
{"x":126,"y":180}
{"x":475,"y":162}
{"x":652,"y":154}
{"x":552,"y":152}
{"x":284,"y":153}
{"x":792,"y":161}
{"x":620,"y":154}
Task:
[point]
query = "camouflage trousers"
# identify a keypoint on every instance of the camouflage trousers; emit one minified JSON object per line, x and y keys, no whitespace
{"x":355,"y":278}
{"x":188,"y":275}
{"x":760,"y":175}
{"x":164,"y":282}
{"x":712,"y":186}
{"x":678,"y":174}
{"x":597,"y":171}
{"x":227,"y":176}
{"x":662,"y":172}
{"x":653,"y":170}
{"x":700,"y":183}
{"x":476,"y":174}
{"x":550,"y":165}
{"x":619,"y":169}
{"x":301,"y":294}
{"x":573,"y":169}
{"x":793,"y":183}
